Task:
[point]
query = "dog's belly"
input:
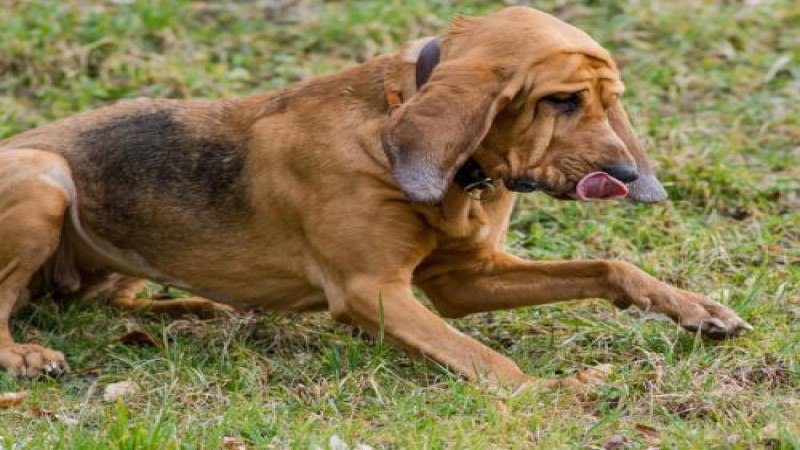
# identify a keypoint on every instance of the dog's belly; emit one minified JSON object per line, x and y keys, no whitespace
{"x":250,"y":271}
{"x":270,"y":294}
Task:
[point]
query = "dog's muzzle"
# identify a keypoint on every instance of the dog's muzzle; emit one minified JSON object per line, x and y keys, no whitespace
{"x":522,"y":184}
{"x":623,"y":172}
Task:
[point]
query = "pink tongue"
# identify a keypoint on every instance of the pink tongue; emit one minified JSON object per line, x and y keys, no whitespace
{"x":600,"y":185}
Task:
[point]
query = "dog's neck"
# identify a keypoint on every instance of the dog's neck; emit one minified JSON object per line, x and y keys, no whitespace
{"x":383,"y":83}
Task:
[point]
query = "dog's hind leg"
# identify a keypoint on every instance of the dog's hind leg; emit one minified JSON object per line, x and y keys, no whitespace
{"x":124,"y":296}
{"x":34,"y":197}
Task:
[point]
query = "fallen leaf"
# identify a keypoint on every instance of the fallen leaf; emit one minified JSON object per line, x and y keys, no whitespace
{"x":336,"y":443}
{"x":617,"y":442}
{"x":122,"y":389}
{"x":652,"y":435}
{"x":770,"y":437}
{"x":770,"y":430}
{"x":233,"y":443}
{"x":11,"y":399}
{"x":141,"y":339}
{"x":737,"y":213}
{"x":47,"y":414}
{"x":502,"y":408}
{"x":775,"y":249}
{"x":41,"y":412}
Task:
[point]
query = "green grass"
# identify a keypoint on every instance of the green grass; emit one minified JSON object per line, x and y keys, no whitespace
{"x":714,"y":89}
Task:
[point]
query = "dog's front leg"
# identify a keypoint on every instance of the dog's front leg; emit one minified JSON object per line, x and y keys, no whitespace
{"x":389,"y":309}
{"x":503,"y":281}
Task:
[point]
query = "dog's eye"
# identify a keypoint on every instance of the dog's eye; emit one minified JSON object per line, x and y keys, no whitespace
{"x":565,"y":103}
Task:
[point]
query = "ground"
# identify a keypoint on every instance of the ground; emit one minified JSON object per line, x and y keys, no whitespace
{"x":713,"y":87}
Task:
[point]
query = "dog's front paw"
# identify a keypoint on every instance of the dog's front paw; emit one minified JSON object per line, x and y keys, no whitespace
{"x":711,"y":319}
{"x":694,"y":312}
{"x":31,"y":360}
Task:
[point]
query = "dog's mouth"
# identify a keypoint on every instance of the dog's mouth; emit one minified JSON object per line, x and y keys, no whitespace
{"x":600,"y":186}
{"x":594,"y":186}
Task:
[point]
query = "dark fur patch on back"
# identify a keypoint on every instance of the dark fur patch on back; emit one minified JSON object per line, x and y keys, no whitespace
{"x":145,"y":175}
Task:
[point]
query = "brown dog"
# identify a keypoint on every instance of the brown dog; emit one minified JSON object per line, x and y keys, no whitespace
{"x":341,"y":193}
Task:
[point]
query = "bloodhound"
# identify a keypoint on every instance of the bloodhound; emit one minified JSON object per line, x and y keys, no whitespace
{"x":342,"y":192}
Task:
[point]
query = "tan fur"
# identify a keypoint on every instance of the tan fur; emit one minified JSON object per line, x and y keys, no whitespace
{"x":318,"y":217}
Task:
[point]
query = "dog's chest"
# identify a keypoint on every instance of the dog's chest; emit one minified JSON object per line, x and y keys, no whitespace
{"x":461,"y":220}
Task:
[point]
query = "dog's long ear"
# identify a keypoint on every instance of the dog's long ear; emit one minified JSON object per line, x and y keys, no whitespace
{"x":646,"y":188}
{"x":431,"y":136}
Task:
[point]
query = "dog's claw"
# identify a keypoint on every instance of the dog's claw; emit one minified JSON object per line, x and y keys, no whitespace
{"x":55,"y":368}
{"x":723,"y":323}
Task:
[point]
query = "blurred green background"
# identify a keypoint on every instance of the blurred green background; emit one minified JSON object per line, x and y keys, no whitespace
{"x":713,"y":88}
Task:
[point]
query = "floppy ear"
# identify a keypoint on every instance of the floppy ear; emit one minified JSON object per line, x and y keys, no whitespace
{"x":646,"y":188}
{"x":431,"y":136}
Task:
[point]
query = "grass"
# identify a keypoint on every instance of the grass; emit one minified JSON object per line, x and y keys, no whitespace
{"x":714,"y":88}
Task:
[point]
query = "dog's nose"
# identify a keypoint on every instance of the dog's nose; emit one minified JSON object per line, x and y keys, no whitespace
{"x":623,"y":172}
{"x":522,"y":184}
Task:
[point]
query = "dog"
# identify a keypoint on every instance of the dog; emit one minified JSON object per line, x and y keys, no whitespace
{"x":341,"y":193}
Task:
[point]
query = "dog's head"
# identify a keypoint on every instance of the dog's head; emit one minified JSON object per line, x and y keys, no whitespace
{"x":534,"y":100}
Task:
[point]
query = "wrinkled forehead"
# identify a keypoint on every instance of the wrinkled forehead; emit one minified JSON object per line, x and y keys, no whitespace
{"x":550,"y":51}
{"x":515,"y":29}
{"x":572,"y":71}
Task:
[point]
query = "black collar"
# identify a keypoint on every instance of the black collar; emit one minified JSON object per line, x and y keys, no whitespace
{"x":470,"y":176}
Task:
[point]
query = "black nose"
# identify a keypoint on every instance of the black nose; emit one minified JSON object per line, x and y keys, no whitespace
{"x":623,"y":172}
{"x":522,"y":184}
